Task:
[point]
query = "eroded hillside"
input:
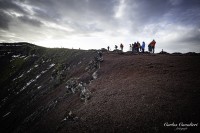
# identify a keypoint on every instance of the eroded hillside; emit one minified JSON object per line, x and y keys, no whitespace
{"x":33,"y":81}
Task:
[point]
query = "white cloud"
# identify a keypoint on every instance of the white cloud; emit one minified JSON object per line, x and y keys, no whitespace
{"x":120,"y":9}
{"x":58,"y":27}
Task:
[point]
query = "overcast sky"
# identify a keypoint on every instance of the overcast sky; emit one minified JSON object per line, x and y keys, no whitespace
{"x":94,"y":24}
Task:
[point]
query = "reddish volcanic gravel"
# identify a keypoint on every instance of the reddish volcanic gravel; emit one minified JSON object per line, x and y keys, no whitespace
{"x":140,"y":93}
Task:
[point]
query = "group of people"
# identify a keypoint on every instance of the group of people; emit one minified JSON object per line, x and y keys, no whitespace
{"x":137,"y":47}
{"x":121,"y":47}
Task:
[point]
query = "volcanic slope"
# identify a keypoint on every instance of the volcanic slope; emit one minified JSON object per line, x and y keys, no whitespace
{"x":33,"y":80}
{"x":127,"y":93}
{"x":141,"y":93}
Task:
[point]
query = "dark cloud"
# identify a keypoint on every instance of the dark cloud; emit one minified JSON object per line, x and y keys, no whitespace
{"x":76,"y":12}
{"x":45,"y":15}
{"x":143,"y":12}
{"x":4,"y":20}
{"x":47,"y":10}
{"x":7,"y":12}
{"x":10,"y":5}
{"x":188,"y":16}
{"x":192,"y":37}
{"x":30,"y":21}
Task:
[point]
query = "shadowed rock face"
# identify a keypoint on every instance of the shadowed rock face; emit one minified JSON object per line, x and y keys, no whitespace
{"x":33,"y":81}
{"x":62,"y":90}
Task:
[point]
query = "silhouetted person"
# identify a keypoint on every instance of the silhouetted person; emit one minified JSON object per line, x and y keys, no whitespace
{"x":138,"y":46}
{"x":108,"y":48}
{"x":130,"y":47}
{"x":133,"y":48}
{"x":116,"y":47}
{"x":149,"y":48}
{"x":121,"y":46}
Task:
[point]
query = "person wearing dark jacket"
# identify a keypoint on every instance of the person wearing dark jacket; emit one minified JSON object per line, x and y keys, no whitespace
{"x":121,"y":46}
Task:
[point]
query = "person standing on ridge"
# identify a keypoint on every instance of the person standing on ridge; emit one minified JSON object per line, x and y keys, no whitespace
{"x":153,"y":43}
{"x":149,"y":48}
{"x":121,"y":46}
{"x":134,"y":47}
{"x":143,"y":47}
{"x":138,"y":46}
{"x":130,"y":47}
{"x":116,"y":47}
{"x":108,"y":48}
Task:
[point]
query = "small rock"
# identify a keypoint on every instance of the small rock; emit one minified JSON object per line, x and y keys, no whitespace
{"x":94,"y":75}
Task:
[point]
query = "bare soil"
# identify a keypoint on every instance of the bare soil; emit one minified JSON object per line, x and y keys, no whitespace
{"x":140,"y":93}
{"x":132,"y":93}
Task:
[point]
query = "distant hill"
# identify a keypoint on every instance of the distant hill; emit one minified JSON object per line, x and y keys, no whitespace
{"x":68,"y":90}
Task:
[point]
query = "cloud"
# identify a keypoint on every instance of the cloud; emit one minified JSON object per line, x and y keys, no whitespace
{"x":4,"y":20}
{"x":175,"y":38}
{"x":190,"y":36}
{"x":30,"y":21}
{"x":176,"y":2}
{"x":11,"y":5}
{"x":104,"y":21}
